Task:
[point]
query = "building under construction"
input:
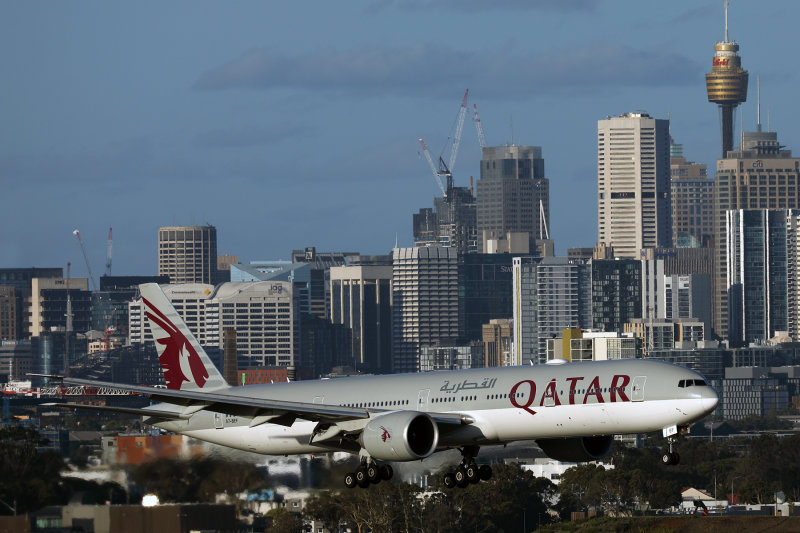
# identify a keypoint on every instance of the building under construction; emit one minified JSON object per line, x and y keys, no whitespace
{"x":452,"y":222}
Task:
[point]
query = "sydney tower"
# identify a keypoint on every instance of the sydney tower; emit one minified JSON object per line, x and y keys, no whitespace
{"x":726,"y":84}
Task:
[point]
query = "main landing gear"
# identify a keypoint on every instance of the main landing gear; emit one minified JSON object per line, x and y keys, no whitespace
{"x":368,"y":473}
{"x":468,"y":471}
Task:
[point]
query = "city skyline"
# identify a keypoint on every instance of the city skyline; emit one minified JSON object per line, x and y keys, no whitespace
{"x":289,"y":126}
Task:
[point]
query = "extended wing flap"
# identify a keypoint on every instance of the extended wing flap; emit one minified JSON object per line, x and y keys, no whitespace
{"x":154,"y":413}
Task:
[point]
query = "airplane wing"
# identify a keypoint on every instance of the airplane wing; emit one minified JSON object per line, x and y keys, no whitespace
{"x":261,"y":410}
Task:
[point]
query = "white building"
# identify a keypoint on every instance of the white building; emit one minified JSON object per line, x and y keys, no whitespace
{"x":425,"y":302}
{"x":263,"y":314}
{"x":633,"y":183}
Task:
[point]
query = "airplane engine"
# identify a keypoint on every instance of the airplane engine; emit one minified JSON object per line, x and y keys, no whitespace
{"x":400,"y":436}
{"x":578,"y":449}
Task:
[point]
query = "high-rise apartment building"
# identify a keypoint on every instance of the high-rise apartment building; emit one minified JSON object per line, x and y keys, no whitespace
{"x":692,"y":195}
{"x":633,"y":182}
{"x":550,"y":294}
{"x":513,"y":193}
{"x":425,"y":302}
{"x":760,"y":175}
{"x":616,"y":293}
{"x":188,"y":254}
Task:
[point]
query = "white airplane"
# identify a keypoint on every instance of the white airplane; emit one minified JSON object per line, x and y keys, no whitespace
{"x":571,"y":410}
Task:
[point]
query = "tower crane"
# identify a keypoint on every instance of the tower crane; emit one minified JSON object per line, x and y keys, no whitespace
{"x":478,"y":126}
{"x":86,"y":258}
{"x":108,"y":253}
{"x":446,"y":169}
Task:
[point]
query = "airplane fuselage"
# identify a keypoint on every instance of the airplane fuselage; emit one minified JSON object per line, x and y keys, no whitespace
{"x":503,"y":404}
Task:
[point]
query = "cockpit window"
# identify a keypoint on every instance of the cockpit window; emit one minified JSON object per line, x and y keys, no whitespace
{"x":691,"y":382}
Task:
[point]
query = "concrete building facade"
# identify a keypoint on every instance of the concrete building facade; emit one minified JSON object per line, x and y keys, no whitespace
{"x":188,"y":254}
{"x":513,"y":193}
{"x":361,"y":299}
{"x":425,"y":302}
{"x":265,"y":316}
{"x":633,"y":181}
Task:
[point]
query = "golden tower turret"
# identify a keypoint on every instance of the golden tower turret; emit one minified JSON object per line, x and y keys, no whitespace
{"x":726,"y":84}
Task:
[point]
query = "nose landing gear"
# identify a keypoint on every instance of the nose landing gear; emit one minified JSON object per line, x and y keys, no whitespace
{"x":672,"y":434}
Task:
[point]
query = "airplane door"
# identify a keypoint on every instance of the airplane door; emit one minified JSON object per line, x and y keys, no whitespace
{"x":219,"y":420}
{"x":637,"y":390}
{"x":422,"y":400}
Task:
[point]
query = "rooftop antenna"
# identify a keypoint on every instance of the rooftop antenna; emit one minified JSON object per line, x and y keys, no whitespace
{"x":511,"y":123}
{"x":758,"y":105}
{"x":726,"y":21}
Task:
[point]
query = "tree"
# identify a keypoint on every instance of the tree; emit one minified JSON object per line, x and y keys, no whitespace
{"x":29,"y":478}
{"x":279,"y":520}
{"x":197,"y":479}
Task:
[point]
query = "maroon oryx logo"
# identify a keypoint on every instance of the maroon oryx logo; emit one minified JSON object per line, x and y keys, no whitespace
{"x":175,"y":353}
{"x":385,"y":435}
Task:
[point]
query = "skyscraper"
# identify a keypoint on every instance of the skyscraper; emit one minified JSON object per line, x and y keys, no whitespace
{"x":692,"y":195}
{"x":425,"y":302}
{"x":361,"y":300}
{"x":726,"y":84}
{"x":188,"y":254}
{"x":758,"y":256}
{"x":760,"y":175}
{"x":633,"y":182}
{"x":513,"y":193}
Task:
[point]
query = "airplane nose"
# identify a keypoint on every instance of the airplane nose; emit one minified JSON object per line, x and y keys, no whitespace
{"x":710,"y":402}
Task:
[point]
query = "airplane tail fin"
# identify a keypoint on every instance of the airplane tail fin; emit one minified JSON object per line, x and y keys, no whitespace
{"x":185,"y":364}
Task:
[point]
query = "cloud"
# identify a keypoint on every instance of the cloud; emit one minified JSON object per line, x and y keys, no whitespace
{"x":251,"y":135}
{"x":428,"y":70}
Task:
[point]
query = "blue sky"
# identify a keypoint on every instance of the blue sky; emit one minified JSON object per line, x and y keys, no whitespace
{"x":295,"y":124}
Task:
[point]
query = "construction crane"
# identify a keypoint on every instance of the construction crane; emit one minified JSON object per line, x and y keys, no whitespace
{"x":436,"y":173}
{"x":478,"y":126}
{"x":108,"y":254}
{"x":446,"y":169}
{"x":86,"y":258}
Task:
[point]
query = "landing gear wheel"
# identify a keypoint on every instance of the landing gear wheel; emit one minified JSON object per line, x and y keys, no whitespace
{"x":670,"y":458}
{"x":386,"y":472}
{"x":471,"y":472}
{"x":461,"y":477}
{"x":350,"y":480}
{"x":361,"y":478}
{"x":373,"y":474}
{"x":449,"y":480}
{"x":485,"y":472}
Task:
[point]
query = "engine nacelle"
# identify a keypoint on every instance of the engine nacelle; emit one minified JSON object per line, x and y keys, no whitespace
{"x":400,"y":436}
{"x":577,"y":449}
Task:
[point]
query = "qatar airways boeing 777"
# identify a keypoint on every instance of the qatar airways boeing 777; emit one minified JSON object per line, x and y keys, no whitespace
{"x":571,"y":410}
